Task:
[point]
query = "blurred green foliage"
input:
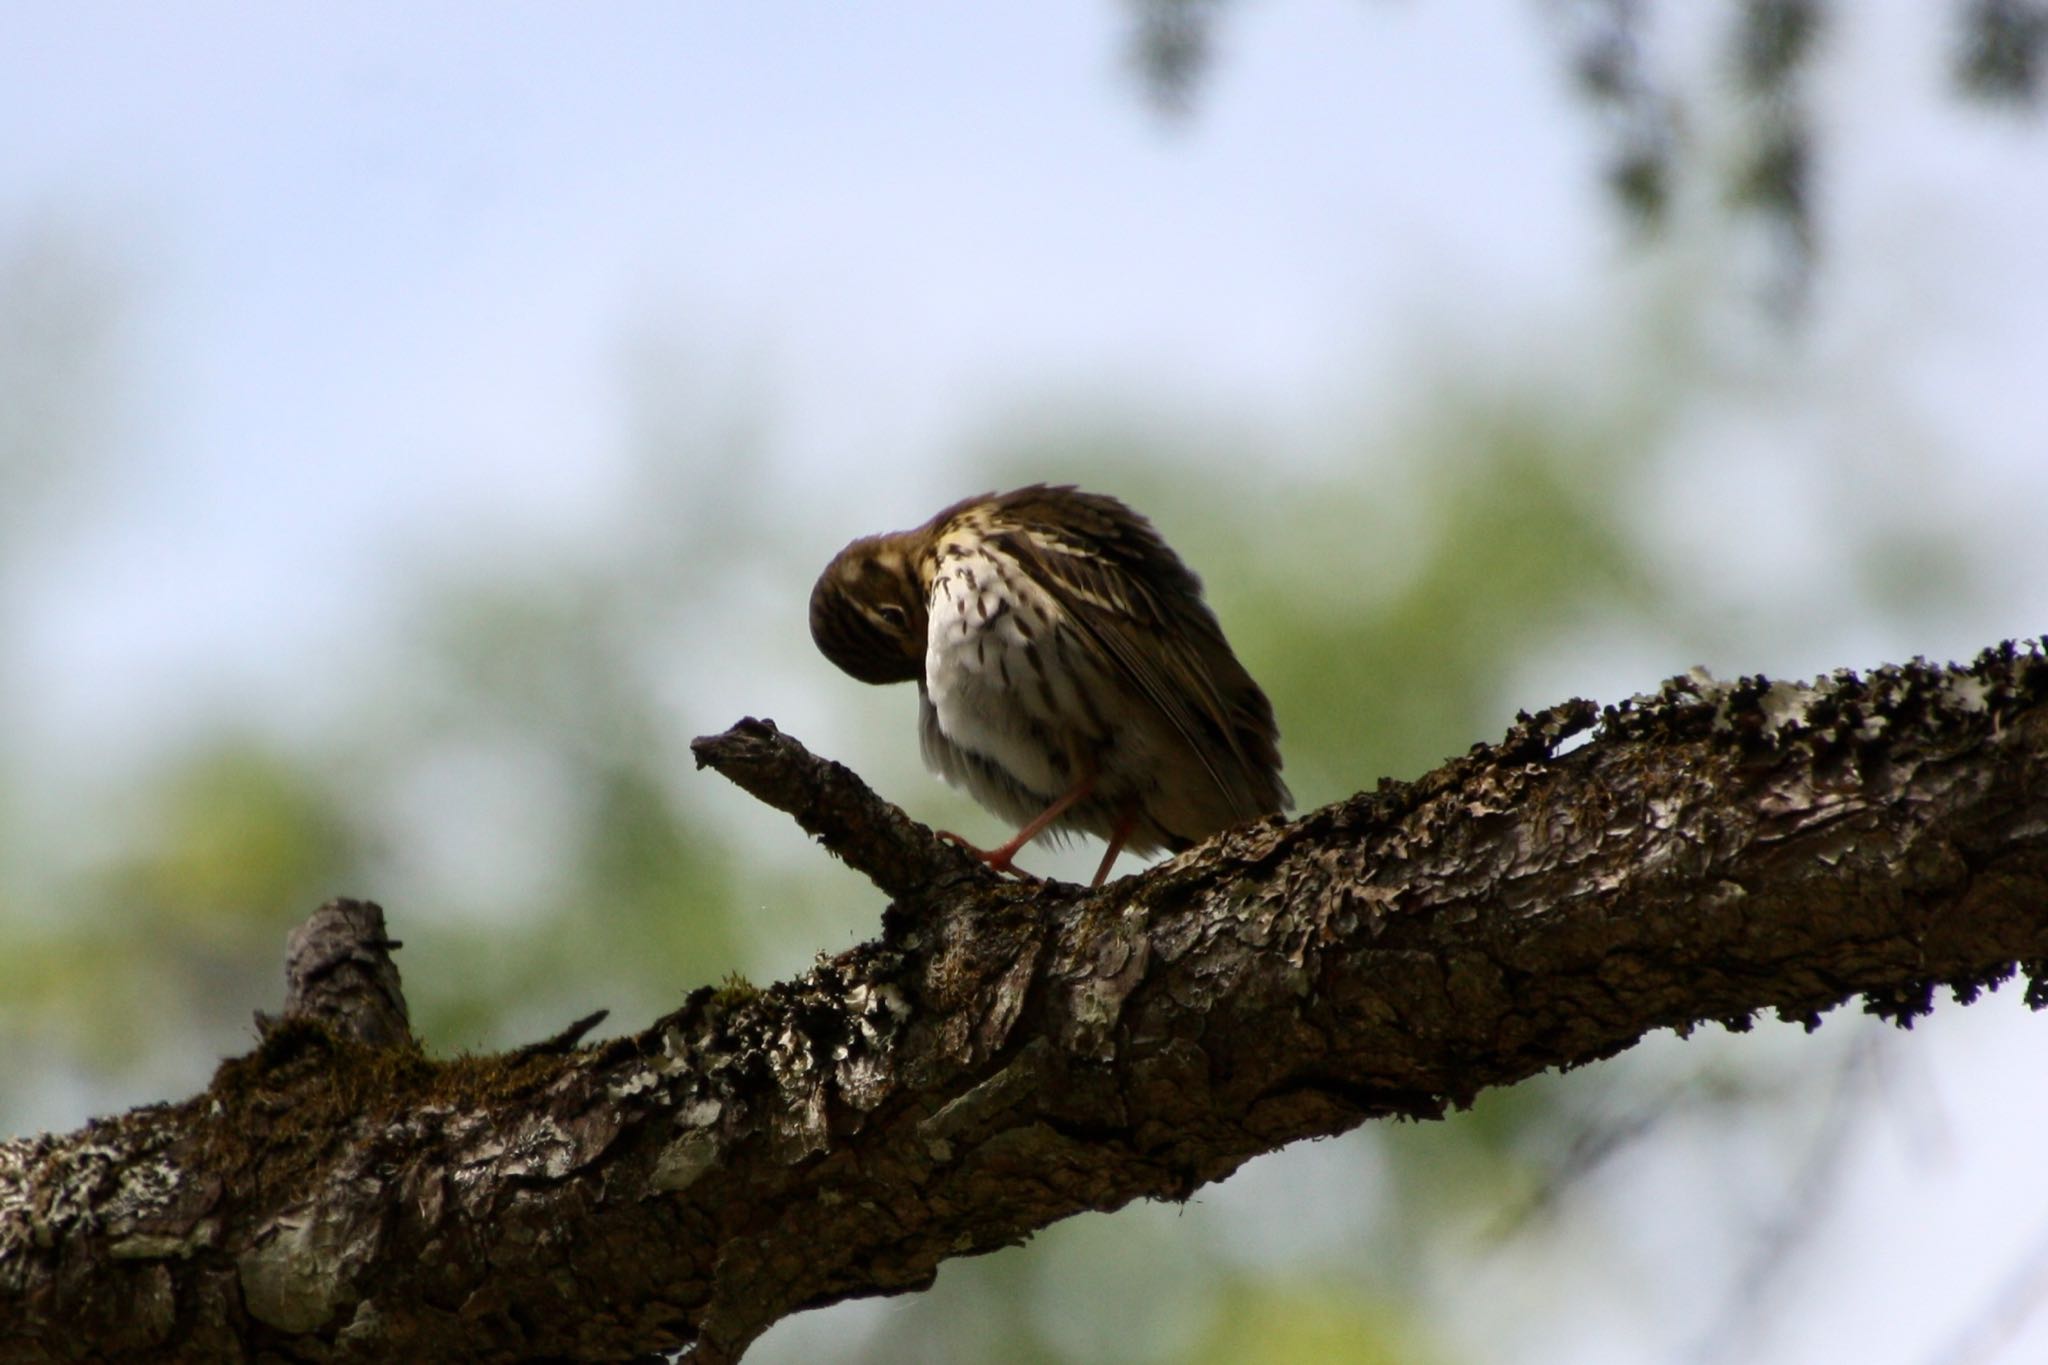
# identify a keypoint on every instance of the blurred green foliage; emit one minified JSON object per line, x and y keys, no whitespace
{"x":236,"y":838}
{"x":1267,"y":1323}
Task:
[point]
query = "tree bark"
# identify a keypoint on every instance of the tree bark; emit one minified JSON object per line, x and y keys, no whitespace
{"x":1005,"y":1055}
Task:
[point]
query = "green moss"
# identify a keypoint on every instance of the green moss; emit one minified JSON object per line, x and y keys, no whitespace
{"x":275,"y":1115}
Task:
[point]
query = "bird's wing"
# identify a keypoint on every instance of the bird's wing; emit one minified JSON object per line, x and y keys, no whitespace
{"x":1130,"y":596}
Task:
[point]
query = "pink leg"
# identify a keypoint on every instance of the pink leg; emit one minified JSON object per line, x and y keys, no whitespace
{"x":1116,"y":845}
{"x":1003,"y":859}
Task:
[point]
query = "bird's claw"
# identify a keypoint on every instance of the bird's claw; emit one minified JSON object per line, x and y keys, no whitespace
{"x":996,"y":860}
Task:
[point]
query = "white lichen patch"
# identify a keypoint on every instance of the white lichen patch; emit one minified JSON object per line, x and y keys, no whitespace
{"x":789,"y":1056}
{"x":635,"y":1082}
{"x":699,"y":1113}
{"x":1785,"y":705}
{"x":1967,"y":693}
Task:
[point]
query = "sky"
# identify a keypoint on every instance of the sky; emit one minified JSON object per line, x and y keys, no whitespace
{"x":386,"y":261}
{"x":385,"y":274}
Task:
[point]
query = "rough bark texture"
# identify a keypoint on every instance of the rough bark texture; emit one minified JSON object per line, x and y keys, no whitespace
{"x":338,"y":971}
{"x":1005,"y":1055}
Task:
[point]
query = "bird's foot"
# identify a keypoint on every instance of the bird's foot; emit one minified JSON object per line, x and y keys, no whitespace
{"x":998,"y":859}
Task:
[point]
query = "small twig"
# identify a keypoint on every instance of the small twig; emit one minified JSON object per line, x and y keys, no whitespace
{"x":565,"y":1040}
{"x":903,"y":858}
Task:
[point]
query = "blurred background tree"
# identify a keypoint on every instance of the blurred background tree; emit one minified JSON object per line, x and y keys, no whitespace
{"x":370,"y":524}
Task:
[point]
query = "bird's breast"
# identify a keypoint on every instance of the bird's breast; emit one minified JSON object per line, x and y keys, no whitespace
{"x":1005,"y":679}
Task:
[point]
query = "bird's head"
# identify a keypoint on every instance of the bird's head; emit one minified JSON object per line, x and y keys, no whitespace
{"x":868,"y":612}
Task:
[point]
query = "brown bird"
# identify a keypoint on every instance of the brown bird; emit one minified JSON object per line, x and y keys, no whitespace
{"x":1069,"y":675}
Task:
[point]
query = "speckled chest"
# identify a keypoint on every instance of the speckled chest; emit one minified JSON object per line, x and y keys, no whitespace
{"x":1003,"y":677}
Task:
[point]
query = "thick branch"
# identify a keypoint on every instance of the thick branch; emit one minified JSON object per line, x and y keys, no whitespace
{"x":1004,"y":1056}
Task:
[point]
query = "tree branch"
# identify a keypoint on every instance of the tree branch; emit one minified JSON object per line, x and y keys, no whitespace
{"x":829,"y":800}
{"x":1004,"y":1056}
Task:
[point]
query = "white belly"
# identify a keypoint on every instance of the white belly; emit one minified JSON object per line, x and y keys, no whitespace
{"x":994,"y":694}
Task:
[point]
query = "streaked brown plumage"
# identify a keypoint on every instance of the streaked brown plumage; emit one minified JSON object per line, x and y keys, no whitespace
{"x":1069,"y":675}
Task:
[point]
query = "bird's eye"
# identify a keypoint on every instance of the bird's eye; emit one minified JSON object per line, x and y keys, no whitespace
{"x":893,"y":615}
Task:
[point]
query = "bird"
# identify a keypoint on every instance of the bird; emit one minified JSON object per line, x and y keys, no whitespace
{"x":1070,"y":677}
